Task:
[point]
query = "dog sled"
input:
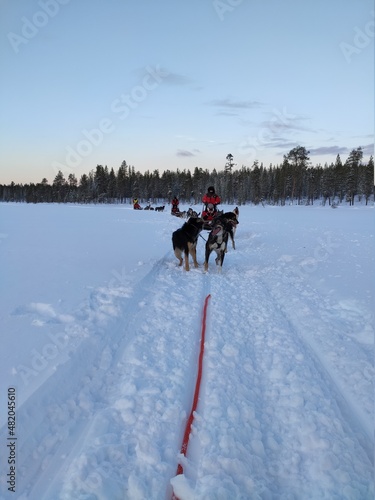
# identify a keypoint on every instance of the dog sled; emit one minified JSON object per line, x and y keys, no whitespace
{"x":185,"y":214}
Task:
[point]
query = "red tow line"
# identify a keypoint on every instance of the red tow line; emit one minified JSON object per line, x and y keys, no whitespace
{"x":190,"y":420}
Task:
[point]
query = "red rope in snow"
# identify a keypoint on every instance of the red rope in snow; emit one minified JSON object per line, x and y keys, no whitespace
{"x":189,"y":422}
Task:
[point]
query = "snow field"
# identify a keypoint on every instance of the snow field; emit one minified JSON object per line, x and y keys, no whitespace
{"x":108,"y":337}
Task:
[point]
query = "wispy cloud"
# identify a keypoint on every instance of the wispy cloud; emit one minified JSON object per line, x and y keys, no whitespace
{"x":169,"y":77}
{"x":292,"y":123}
{"x":329,"y":150}
{"x":185,"y":154}
{"x":232,"y":104}
{"x":226,"y":113}
{"x":177,"y":79}
{"x":368,"y":149}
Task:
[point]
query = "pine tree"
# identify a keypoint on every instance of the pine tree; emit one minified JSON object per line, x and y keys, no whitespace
{"x":111,"y":186}
{"x":369,"y":179}
{"x":340,"y":179}
{"x":84,"y":189}
{"x":229,"y":164}
{"x":328,"y":183}
{"x":352,"y":167}
{"x":122,"y":182}
{"x":59,"y":187}
{"x":298,"y":159}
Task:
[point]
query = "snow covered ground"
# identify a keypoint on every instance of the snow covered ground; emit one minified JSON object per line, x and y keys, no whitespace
{"x":100,"y":333}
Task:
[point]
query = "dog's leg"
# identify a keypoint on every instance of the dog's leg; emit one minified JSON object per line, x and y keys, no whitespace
{"x":193,"y":253}
{"x":231,"y":230}
{"x":220,"y":258}
{"x":187,"y":268}
{"x":178,"y":254}
{"x":220,"y":252}
{"x":232,"y":238}
{"x":207,"y":256}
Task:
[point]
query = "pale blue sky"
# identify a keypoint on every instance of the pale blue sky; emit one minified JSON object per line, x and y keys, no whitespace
{"x":177,"y":84}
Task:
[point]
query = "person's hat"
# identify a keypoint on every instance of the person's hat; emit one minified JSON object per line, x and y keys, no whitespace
{"x":210,"y":207}
{"x":211,"y":189}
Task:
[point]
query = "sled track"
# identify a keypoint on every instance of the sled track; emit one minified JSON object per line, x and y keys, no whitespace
{"x":354,"y":417}
{"x":147,"y":356}
{"x":63,"y":409}
{"x":266,"y":395}
{"x":134,"y":381}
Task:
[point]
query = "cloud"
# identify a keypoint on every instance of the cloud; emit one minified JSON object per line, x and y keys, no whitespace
{"x":185,"y":154}
{"x":329,"y":150}
{"x":286,"y":123}
{"x":177,"y":79}
{"x":232,"y":104}
{"x":226,"y":113}
{"x":168,"y":77}
{"x":368,"y":149}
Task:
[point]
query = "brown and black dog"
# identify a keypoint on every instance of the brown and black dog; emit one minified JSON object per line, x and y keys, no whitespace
{"x":217,"y":241}
{"x":185,"y":240}
{"x":232,"y":219}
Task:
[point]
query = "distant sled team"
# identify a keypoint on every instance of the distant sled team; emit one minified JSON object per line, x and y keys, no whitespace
{"x":222,"y":227}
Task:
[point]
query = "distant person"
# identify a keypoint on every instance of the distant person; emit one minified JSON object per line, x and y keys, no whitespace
{"x":175,"y":203}
{"x":211,"y":200}
{"x":136,"y":205}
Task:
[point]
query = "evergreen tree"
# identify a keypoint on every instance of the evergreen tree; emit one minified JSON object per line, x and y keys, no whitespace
{"x":328,"y":183}
{"x":229,"y":164}
{"x":298,"y":159}
{"x":340,"y":179}
{"x":122,"y":182}
{"x":112,"y":186}
{"x":84,"y":189}
{"x":293,"y":179}
{"x":368,"y":188}
{"x":59,"y":187}
{"x":352,"y":168}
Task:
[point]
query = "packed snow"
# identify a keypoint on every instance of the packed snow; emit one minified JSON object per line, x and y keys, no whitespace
{"x":100,"y":339}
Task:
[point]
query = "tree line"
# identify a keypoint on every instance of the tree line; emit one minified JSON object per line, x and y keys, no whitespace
{"x":295,"y":180}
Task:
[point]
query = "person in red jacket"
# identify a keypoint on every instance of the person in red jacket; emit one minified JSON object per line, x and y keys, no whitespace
{"x":175,"y":210}
{"x":210,"y":200}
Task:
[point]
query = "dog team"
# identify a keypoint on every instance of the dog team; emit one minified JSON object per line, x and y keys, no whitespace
{"x":222,"y":226}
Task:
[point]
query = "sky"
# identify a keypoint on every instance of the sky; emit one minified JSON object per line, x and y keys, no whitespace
{"x":176,"y":85}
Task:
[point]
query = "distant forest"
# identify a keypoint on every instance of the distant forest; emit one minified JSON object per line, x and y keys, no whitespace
{"x":294,"y":181}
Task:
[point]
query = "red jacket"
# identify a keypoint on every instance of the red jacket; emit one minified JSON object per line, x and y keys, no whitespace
{"x":214,"y":199}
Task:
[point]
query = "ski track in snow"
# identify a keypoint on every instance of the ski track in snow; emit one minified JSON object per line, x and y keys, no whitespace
{"x":287,"y":405}
{"x":281,"y":412}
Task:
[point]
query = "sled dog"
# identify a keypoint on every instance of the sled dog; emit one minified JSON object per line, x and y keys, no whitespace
{"x":192,"y":213}
{"x":232,"y":219}
{"x":217,"y":241}
{"x":160,"y":209}
{"x":185,"y":240}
